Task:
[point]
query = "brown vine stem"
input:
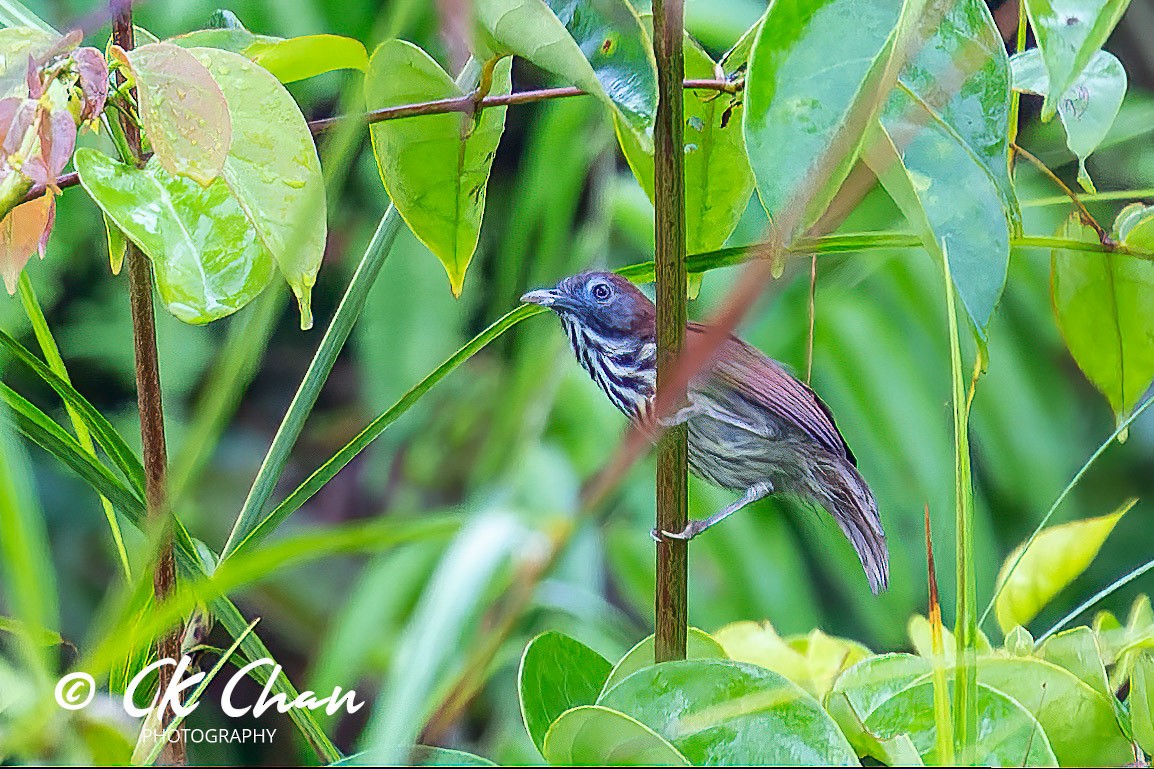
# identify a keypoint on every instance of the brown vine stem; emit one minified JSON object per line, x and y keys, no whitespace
{"x":1087,"y":217}
{"x":466,"y":103}
{"x":671,"y":588}
{"x":148,"y":398}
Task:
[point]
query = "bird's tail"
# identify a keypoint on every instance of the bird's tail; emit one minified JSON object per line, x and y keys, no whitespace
{"x":844,"y":493}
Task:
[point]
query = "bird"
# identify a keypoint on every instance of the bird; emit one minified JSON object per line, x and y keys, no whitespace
{"x":753,"y":427}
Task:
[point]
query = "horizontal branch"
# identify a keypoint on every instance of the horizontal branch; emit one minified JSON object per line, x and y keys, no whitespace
{"x":466,"y":103}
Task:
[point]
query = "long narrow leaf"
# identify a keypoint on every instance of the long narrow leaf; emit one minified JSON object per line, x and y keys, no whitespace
{"x":102,"y":430}
{"x":325,"y":472}
{"x":55,"y":362}
{"x":310,"y":387}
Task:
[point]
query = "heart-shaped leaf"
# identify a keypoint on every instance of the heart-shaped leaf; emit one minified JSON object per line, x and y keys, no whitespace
{"x":557,"y":673}
{"x":801,"y":103}
{"x":597,"y":45}
{"x":182,"y":108}
{"x":1089,"y":106}
{"x":435,"y":167}
{"x":592,"y":735}
{"x":1054,"y":559}
{"x":1069,"y":33}
{"x":721,"y":712}
{"x":273,"y":170}
{"x":1104,"y":304}
{"x":206,"y":256}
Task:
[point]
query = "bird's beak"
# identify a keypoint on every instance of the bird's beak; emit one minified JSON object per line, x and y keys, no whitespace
{"x":545,"y":297}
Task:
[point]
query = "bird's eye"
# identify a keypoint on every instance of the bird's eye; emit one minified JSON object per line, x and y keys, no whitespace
{"x":601,"y":291}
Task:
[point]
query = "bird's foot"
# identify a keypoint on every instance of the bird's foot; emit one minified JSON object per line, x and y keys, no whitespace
{"x":691,"y":530}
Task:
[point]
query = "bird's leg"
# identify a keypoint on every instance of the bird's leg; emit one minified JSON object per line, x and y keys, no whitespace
{"x":682,"y":415}
{"x":696,"y":526}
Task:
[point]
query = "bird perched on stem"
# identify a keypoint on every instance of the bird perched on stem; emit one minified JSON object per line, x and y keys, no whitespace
{"x":753,"y":428}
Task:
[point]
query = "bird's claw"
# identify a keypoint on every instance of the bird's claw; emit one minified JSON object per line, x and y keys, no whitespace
{"x":691,"y":530}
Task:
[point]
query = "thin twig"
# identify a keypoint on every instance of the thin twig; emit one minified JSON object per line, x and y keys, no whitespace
{"x":1087,"y":217}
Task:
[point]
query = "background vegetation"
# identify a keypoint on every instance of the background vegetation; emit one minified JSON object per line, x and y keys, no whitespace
{"x":436,"y":626}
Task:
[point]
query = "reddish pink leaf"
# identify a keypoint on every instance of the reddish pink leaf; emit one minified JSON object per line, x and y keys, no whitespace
{"x":16,"y":116}
{"x":93,"y":81}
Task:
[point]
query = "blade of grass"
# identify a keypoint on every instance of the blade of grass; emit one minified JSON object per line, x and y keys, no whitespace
{"x":99,"y":427}
{"x":334,"y":339}
{"x":26,"y":562}
{"x":1122,"y":427}
{"x":1094,"y":599}
{"x":197,"y":693}
{"x":966,"y":626}
{"x":56,"y":363}
{"x":325,"y":472}
{"x":16,"y":14}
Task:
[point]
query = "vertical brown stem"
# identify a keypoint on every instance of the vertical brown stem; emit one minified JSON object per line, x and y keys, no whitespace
{"x":672,"y":450}
{"x":148,"y":401}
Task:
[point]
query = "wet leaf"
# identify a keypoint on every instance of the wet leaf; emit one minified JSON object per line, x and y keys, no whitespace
{"x":435,"y":167}
{"x":182,"y":108}
{"x":592,"y":735}
{"x":596,"y":45}
{"x":206,"y":256}
{"x":1069,"y":33}
{"x":23,"y":231}
{"x":1104,"y":304}
{"x":699,"y":645}
{"x":273,"y":170}
{"x":1008,"y":735}
{"x":1089,"y":106}
{"x":801,"y":103}
{"x":1079,"y":721}
{"x":1055,"y":559}
{"x":299,"y":58}
{"x":811,"y":661}
{"x":235,"y":39}
{"x":718,"y":179}
{"x":557,"y":673}
{"x":722,"y":712}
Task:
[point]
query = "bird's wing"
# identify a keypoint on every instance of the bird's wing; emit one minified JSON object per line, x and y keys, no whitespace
{"x":763,"y":384}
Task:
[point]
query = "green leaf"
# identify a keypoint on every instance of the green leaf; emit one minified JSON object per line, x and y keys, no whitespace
{"x":557,"y":673}
{"x":1142,"y":702}
{"x":1103,"y":304}
{"x":235,"y":39}
{"x":1008,"y":735}
{"x":724,"y":713}
{"x":718,"y":179}
{"x":961,"y":73}
{"x":273,"y":170}
{"x":18,"y":43}
{"x":117,"y":244}
{"x":1069,"y":33}
{"x":1079,"y":721}
{"x":592,"y":735}
{"x":1055,"y":559}
{"x":802,"y":104}
{"x":599,"y":46}
{"x":948,"y":196}
{"x":421,"y":755}
{"x":299,"y":58}
{"x":1134,"y":227}
{"x":865,"y":687}
{"x":1077,"y":650}
{"x":1089,"y":106}
{"x":41,"y":636}
{"x":182,"y":109}
{"x":811,"y":661}
{"x":699,"y":645}
{"x":206,"y":256}
{"x":435,"y":167}
{"x":919,"y":632}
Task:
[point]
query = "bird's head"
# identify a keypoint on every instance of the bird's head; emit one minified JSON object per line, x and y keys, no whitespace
{"x":605,"y":303}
